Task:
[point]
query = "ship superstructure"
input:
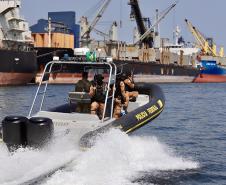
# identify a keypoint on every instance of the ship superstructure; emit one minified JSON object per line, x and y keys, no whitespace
{"x":17,"y":60}
{"x":14,"y":31}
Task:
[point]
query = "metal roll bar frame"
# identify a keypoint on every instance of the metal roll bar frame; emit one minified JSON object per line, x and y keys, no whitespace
{"x":112,"y":77}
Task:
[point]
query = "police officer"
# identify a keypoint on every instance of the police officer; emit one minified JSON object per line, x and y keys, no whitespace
{"x":83,"y":85}
{"x":98,"y":93}
{"x":120,"y":97}
{"x":129,"y":88}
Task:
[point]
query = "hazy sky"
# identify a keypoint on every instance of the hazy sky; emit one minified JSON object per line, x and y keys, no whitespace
{"x":207,"y":15}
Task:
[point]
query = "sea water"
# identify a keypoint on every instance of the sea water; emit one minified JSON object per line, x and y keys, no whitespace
{"x":185,"y":145}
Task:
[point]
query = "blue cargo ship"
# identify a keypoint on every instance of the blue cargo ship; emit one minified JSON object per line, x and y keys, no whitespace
{"x":211,"y":72}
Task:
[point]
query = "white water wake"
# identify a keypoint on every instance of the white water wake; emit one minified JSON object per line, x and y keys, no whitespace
{"x":26,"y":164}
{"x":117,"y":158}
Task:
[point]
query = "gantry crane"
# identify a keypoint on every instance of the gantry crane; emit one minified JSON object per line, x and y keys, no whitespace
{"x":202,"y":41}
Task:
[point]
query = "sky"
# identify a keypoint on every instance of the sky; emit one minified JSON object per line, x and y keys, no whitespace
{"x":207,"y":15}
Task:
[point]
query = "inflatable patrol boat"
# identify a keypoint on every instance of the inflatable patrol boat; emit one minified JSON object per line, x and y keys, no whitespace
{"x":41,"y":126}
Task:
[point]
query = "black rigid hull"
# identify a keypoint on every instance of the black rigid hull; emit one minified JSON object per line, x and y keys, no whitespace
{"x":134,"y":119}
{"x":17,"y":67}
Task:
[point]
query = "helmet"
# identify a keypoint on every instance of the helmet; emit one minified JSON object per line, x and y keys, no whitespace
{"x":122,"y":76}
{"x":128,"y":73}
{"x":98,"y":77}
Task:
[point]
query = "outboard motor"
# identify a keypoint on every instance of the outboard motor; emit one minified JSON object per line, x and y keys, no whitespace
{"x":18,"y":131}
{"x":39,"y":131}
{"x":14,"y":131}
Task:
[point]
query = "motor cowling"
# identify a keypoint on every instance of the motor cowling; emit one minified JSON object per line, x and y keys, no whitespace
{"x":39,"y":131}
{"x":14,"y":131}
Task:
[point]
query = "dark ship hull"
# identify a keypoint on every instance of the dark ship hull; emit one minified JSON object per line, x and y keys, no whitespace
{"x":150,"y":72}
{"x":17,"y":67}
{"x":153,"y":72}
{"x":45,"y":54}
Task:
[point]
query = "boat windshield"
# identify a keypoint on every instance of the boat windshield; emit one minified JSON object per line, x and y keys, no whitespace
{"x":69,"y":72}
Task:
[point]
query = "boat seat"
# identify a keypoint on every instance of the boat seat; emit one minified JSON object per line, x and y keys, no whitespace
{"x":79,"y":97}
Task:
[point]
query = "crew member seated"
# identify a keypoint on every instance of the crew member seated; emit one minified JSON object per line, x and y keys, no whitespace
{"x":98,"y":93}
{"x":120,"y":97}
{"x":83,"y":85}
{"x":129,"y":88}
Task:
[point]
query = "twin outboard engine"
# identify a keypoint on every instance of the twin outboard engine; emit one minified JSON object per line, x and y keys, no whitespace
{"x":39,"y":131}
{"x":14,"y":131}
{"x":18,"y":131}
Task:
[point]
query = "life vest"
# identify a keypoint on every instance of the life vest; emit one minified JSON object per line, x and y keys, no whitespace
{"x":83,"y":86}
{"x":100,"y":93}
{"x":118,"y":92}
{"x":127,"y":87}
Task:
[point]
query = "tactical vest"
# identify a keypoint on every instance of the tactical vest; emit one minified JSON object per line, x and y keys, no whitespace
{"x":83,"y":86}
{"x":128,"y":88}
{"x":118,"y":92}
{"x":100,"y":93}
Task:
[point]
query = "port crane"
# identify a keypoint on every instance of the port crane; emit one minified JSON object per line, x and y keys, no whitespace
{"x":111,"y":36}
{"x":137,"y":15}
{"x":146,"y":34}
{"x":160,"y":18}
{"x":102,"y":34}
{"x":203,"y":42}
{"x":85,"y":36}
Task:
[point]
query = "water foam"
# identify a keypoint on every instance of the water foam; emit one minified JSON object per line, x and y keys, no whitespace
{"x":25,"y":164}
{"x":116,"y":159}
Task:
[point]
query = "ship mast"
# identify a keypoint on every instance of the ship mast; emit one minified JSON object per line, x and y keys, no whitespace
{"x":49,"y":32}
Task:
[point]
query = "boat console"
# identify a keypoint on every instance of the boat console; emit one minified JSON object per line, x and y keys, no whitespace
{"x":79,"y":97}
